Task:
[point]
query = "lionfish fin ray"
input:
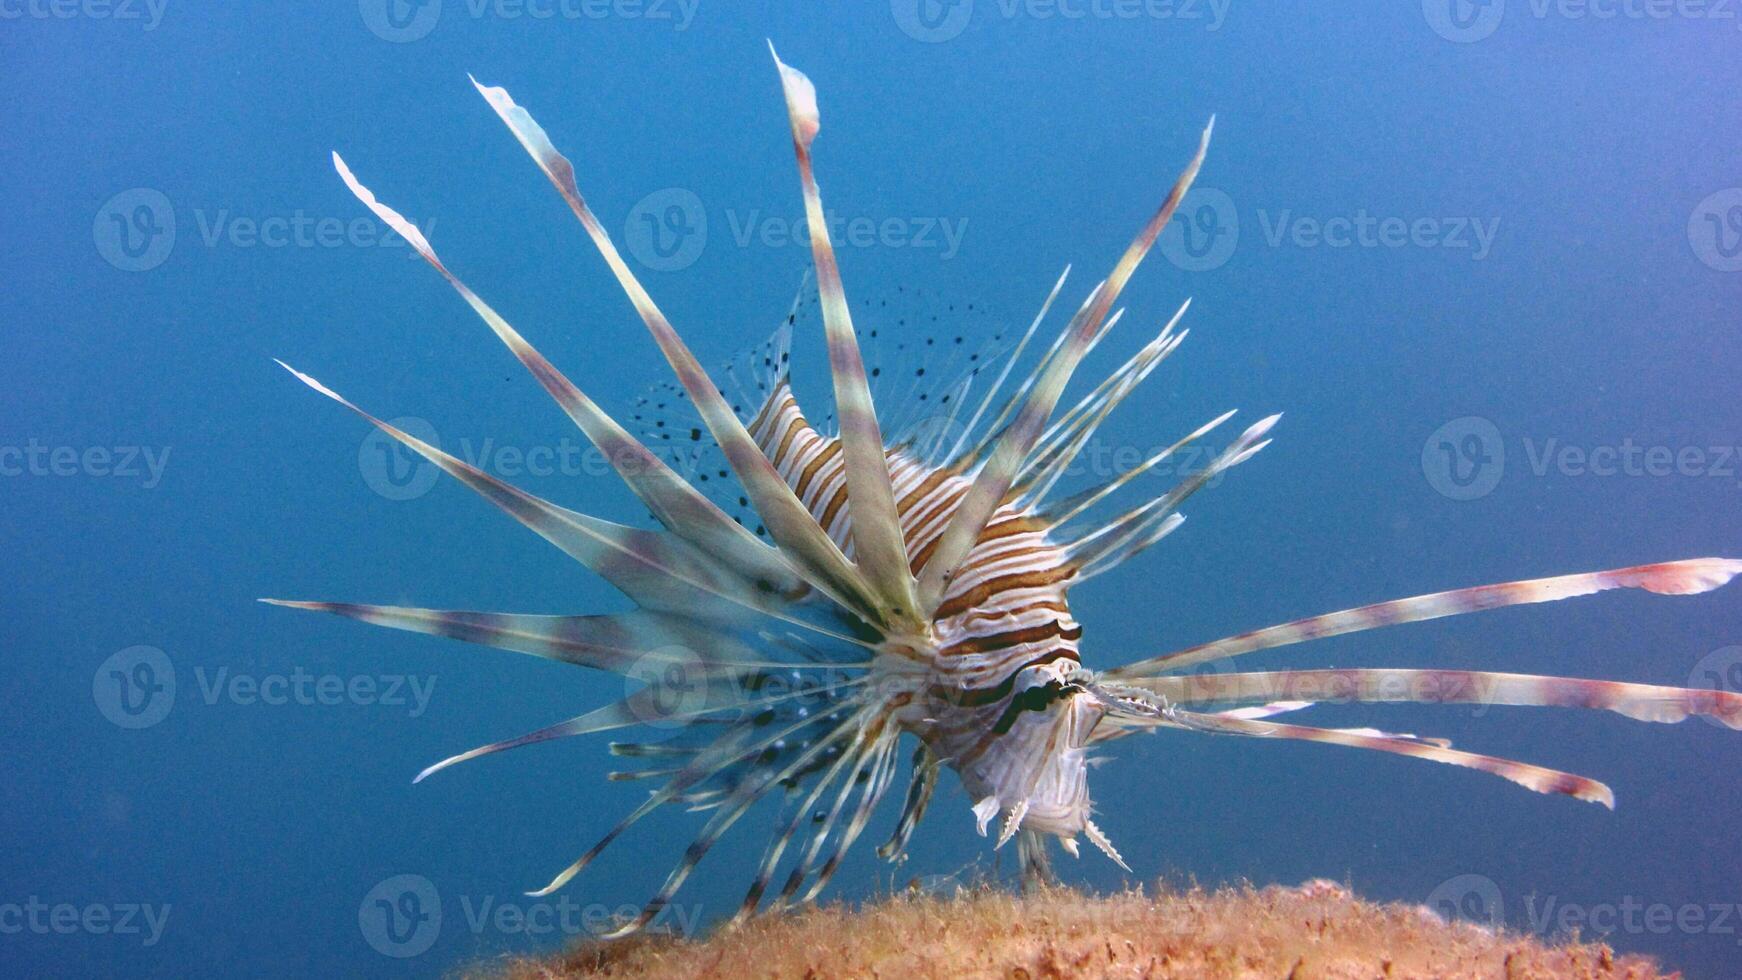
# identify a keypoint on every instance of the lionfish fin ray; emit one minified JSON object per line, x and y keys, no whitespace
{"x":994,"y":479}
{"x":778,"y":844}
{"x":1641,"y":702}
{"x":1687,"y":577}
{"x":1062,"y":512}
{"x":674,"y":502}
{"x":753,"y":788}
{"x":880,"y":548}
{"x":1004,"y":373}
{"x":793,"y":528}
{"x":1533,"y":777}
{"x":716,"y":758}
{"x":654,"y":568}
{"x":920,"y":787}
{"x":616,"y":642}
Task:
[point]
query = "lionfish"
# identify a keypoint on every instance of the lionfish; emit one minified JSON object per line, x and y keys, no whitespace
{"x":893,"y":589}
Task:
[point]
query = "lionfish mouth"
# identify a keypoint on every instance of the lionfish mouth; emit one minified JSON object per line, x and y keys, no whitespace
{"x":912,"y":594}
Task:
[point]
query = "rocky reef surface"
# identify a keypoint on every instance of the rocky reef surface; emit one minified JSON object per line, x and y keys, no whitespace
{"x":1318,"y":931}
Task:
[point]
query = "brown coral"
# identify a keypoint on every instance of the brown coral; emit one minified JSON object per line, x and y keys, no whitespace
{"x":1319,"y":931}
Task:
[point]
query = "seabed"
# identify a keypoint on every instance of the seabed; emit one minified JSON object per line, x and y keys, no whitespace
{"x":1317,"y":931}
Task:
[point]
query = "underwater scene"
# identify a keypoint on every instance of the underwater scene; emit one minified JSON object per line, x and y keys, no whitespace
{"x":1017,"y":488}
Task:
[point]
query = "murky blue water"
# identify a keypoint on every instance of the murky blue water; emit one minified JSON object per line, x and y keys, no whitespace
{"x":1486,"y":258}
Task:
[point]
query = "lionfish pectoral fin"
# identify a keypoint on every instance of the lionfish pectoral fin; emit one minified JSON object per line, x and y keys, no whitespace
{"x":882,"y":771}
{"x":617,"y":553}
{"x":1687,"y":577}
{"x":868,"y":759}
{"x":716,"y":758}
{"x":753,"y":788}
{"x":1538,"y":778}
{"x":801,"y":812}
{"x":792,"y":527}
{"x":1641,"y":702}
{"x":877,"y":535}
{"x":1269,"y":710}
{"x":923,"y":783}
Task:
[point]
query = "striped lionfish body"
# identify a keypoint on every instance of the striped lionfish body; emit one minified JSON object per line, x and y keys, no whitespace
{"x":904,"y":593}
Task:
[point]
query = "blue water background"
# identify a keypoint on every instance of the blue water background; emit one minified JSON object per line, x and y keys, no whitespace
{"x":1596,"y":316}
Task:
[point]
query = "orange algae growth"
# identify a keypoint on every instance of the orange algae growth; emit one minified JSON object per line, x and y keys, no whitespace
{"x":1319,"y":931}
